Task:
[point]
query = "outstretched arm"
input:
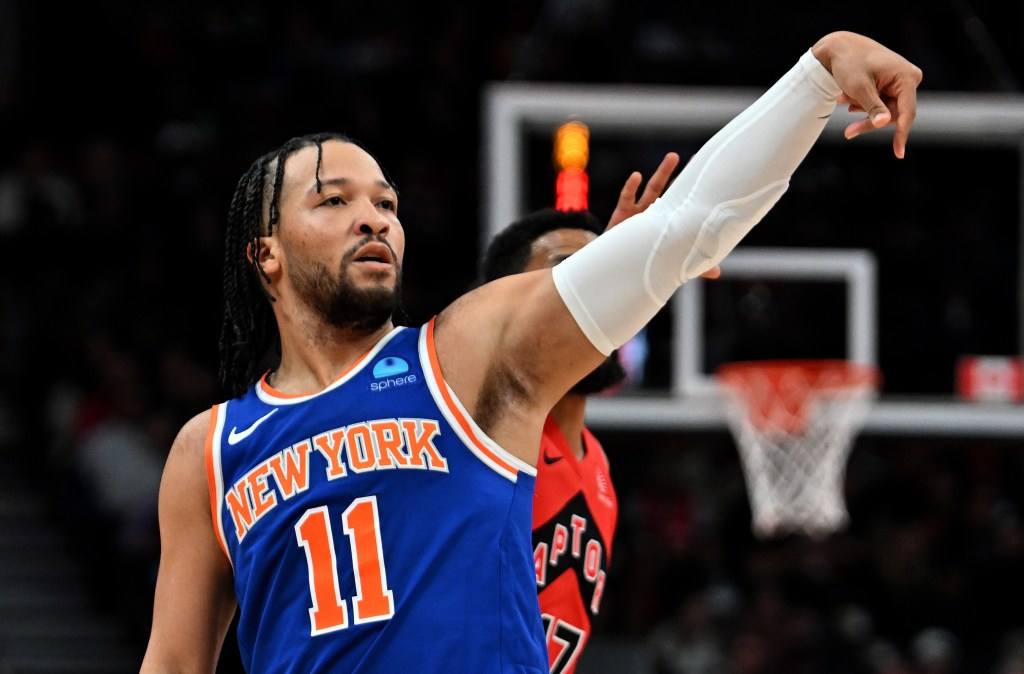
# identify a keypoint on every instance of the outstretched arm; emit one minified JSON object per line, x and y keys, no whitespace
{"x":513,"y":347}
{"x":614,"y":286}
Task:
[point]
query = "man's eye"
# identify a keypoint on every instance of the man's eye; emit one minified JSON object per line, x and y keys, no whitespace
{"x":335,"y":201}
{"x":389,"y":204}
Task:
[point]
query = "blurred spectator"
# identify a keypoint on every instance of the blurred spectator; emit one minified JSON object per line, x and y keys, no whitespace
{"x":936,"y":650}
{"x":38,"y":196}
{"x":690,"y":641}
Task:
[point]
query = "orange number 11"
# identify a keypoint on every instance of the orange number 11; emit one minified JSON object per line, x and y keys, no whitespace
{"x":373,"y":600}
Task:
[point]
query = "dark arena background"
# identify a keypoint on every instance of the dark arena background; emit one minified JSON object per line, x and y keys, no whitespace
{"x":125,"y":126}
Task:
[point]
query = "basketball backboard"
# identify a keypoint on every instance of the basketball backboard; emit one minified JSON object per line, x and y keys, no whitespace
{"x":908,"y":264}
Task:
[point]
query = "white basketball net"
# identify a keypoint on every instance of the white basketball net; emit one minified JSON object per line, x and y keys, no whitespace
{"x":794,"y":423}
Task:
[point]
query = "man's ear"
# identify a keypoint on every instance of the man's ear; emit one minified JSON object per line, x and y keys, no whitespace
{"x":266,"y":248}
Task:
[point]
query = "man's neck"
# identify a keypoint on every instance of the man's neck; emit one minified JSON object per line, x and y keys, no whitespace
{"x":569,"y":414}
{"x":309,"y":363}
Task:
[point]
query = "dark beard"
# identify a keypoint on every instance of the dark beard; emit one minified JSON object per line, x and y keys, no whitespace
{"x":361,"y":310}
{"x":607,"y":374}
{"x":345,"y":306}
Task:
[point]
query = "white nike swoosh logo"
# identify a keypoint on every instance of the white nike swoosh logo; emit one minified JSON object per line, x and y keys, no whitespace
{"x":234,"y":437}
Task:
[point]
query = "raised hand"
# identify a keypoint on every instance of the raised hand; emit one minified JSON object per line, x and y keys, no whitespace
{"x":629,"y":205}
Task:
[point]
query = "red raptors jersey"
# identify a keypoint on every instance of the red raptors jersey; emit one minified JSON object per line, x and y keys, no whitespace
{"x":574,"y":515}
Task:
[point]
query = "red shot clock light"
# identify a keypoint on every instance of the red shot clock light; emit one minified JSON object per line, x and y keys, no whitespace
{"x":571,"y":153}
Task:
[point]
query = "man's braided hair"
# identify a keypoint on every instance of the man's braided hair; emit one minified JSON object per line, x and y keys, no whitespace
{"x":249,"y":330}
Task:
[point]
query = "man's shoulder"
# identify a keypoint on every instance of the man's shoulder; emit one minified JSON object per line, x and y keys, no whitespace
{"x":191,"y":438}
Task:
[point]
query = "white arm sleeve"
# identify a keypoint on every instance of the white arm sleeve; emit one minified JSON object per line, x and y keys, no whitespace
{"x":616,"y":284}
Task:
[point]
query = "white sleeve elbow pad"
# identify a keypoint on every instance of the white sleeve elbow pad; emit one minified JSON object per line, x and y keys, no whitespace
{"x":616,"y":284}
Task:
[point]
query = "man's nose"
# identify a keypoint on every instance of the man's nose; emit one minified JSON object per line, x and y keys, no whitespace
{"x":371,"y":221}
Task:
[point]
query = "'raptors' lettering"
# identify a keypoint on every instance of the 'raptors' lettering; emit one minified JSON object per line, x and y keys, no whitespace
{"x":571,"y":547}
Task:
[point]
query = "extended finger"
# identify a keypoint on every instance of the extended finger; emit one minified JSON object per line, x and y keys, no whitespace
{"x":906,"y":112}
{"x":626,"y":205}
{"x":627,"y":195}
{"x":659,"y":180}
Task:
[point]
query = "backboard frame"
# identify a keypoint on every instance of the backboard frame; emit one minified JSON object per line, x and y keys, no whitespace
{"x":856,"y":268}
{"x":512,"y":109}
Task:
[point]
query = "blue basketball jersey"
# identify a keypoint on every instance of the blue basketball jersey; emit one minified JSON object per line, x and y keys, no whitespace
{"x":373,"y":527}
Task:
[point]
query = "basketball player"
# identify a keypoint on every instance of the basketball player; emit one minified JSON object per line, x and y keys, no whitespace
{"x":371,"y":489}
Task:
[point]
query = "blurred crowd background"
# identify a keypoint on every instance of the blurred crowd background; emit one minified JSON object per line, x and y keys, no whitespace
{"x":124,"y":127}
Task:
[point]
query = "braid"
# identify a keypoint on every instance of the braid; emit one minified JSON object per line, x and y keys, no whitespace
{"x":248,"y":326}
{"x":249,"y":329}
